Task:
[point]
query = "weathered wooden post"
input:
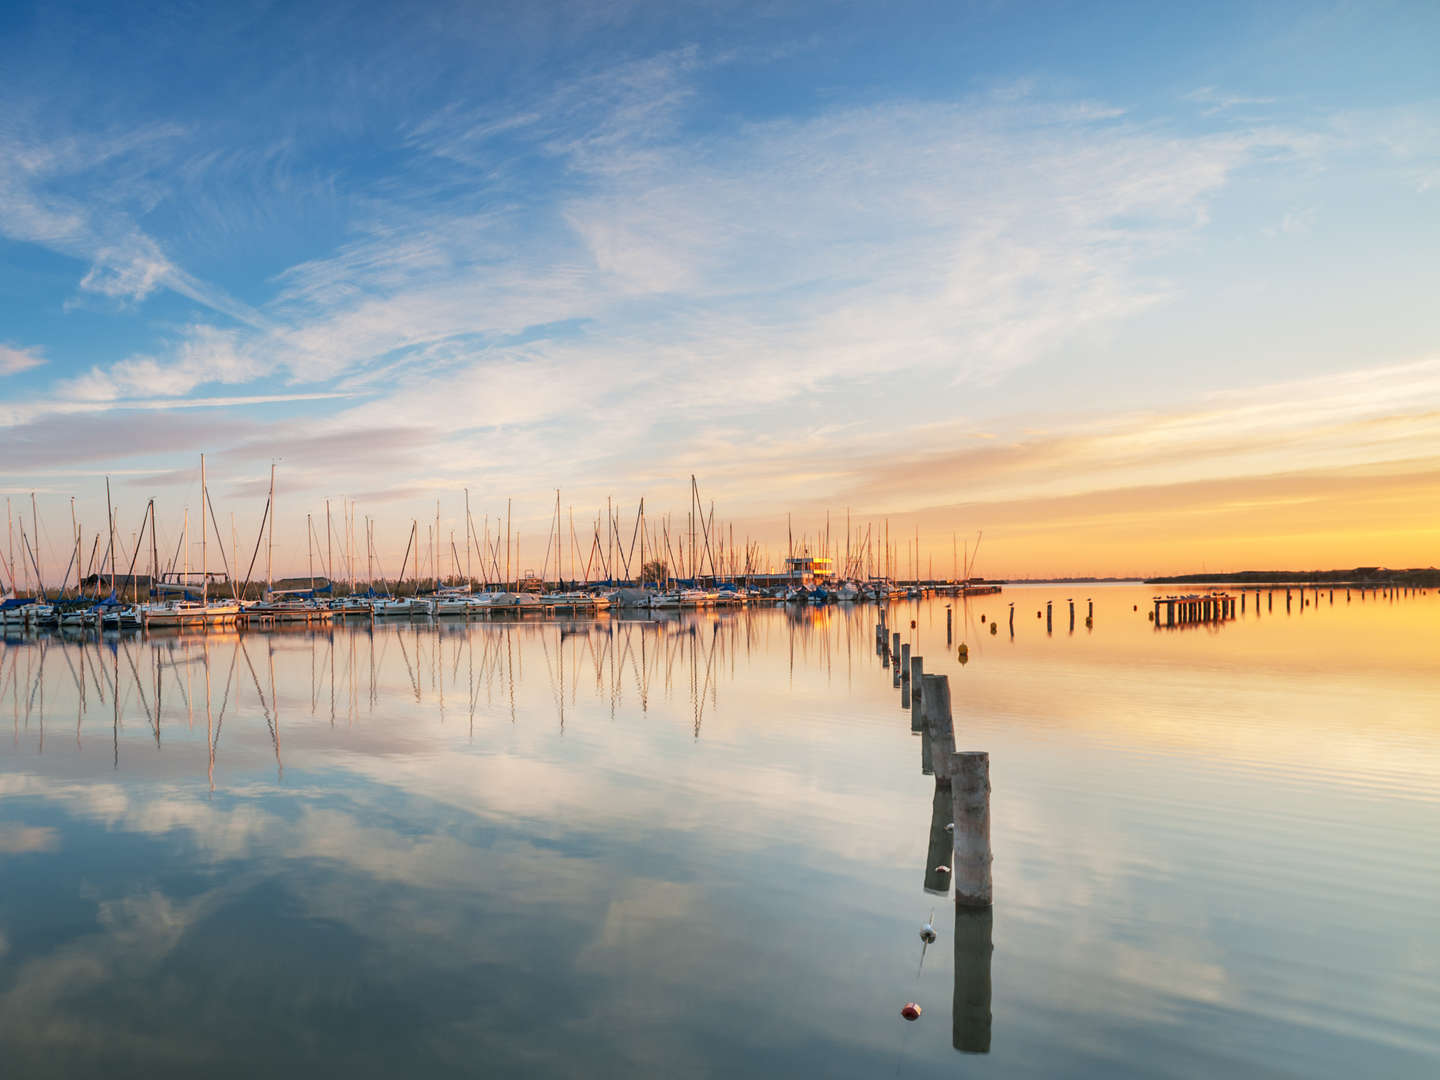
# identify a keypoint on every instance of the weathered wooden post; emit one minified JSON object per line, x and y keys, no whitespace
{"x":1048,"y":625}
{"x":905,"y":663}
{"x":939,"y":725}
{"x":917,"y":694}
{"x":1089,"y":608}
{"x":1012,"y":618}
{"x":895,"y":657}
{"x":948,"y":623}
{"x":970,"y":803}
{"x":1071,"y":602}
{"x":970,"y":1003}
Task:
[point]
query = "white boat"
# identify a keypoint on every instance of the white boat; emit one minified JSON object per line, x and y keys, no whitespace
{"x":176,"y":613}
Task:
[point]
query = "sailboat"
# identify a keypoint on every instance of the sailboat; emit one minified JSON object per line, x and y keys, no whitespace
{"x":179,"y":607}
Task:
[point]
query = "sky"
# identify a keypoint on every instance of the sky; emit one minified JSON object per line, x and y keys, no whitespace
{"x":1125,"y":289}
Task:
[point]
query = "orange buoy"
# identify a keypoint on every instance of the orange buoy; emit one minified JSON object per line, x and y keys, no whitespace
{"x":911,"y":1011}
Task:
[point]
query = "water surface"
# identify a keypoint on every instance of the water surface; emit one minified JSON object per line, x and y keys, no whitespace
{"x":701,"y":845}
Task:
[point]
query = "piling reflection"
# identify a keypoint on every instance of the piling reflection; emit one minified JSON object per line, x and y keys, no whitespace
{"x":970,"y":1005}
{"x":937,"y":860}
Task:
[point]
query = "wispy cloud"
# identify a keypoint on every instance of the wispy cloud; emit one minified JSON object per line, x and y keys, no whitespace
{"x":118,"y":170}
{"x":14,"y":360}
{"x":1218,"y":101}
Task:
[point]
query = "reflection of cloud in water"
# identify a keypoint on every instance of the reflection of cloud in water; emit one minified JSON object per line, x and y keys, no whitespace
{"x":17,"y":839}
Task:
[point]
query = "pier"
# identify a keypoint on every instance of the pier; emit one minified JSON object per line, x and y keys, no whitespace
{"x":1194,"y":608}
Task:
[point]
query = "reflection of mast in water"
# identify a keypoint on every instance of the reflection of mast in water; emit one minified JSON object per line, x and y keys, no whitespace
{"x":938,"y":857}
{"x":275,"y":707}
{"x":115,"y":714}
{"x":79,"y":691}
{"x":470,"y":670}
{"x":409,"y":668}
{"x":40,"y":685}
{"x":224,"y":703}
{"x":140,"y":690}
{"x":510,"y":671}
{"x":970,"y":1005}
{"x":209,"y":734}
{"x":707,"y":687}
{"x":273,"y":724}
{"x":437,"y":670}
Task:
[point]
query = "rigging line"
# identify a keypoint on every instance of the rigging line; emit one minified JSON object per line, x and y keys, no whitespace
{"x":221,"y":545}
{"x":245,"y":588}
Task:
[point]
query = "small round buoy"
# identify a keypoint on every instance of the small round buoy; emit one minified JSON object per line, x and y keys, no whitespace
{"x":950,"y":827}
{"x":941,"y":868}
{"x":1134,"y":607}
{"x":994,"y":628}
{"x":982,"y":620}
{"x":1149,"y":616}
{"x":911,"y":1011}
{"x":1037,"y":614}
{"x":912,"y":624}
{"x":927,"y":934}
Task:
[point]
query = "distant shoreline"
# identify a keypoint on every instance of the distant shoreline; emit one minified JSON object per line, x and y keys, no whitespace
{"x":1362,"y":575}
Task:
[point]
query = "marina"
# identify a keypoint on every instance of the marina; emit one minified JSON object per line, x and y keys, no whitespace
{"x":693,"y":570}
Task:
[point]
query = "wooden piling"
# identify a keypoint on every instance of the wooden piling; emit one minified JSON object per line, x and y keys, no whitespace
{"x":970,"y":803}
{"x":905,"y":663}
{"x":1048,"y":626}
{"x":939,"y":725}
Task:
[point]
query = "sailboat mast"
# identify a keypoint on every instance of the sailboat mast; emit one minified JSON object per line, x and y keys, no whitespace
{"x":110,"y":520}
{"x":204,"y":532}
{"x":75,"y":528}
{"x":270,"y":546}
{"x":154,"y":551}
{"x":329,"y":566}
{"x":468,"y":578}
{"x":10,"y":531}
{"x":35,"y":554}
{"x":310,"y":550}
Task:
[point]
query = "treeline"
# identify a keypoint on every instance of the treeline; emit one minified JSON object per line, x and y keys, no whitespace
{"x":1361,"y":575}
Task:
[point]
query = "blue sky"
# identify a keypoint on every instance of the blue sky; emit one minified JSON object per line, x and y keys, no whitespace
{"x":963,"y":265}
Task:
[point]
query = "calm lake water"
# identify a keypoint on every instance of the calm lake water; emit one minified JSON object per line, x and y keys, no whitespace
{"x":700,"y":846}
